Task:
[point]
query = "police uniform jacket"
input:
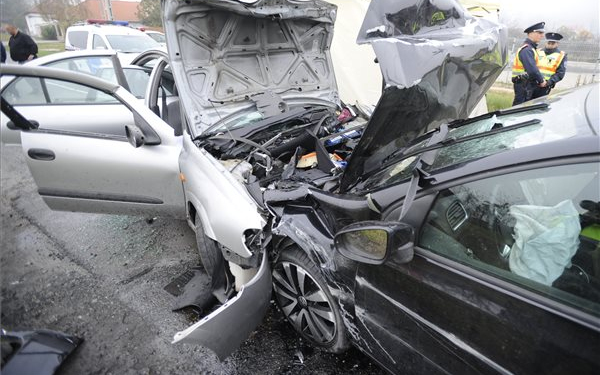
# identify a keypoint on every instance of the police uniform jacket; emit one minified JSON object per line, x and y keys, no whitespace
{"x":527,"y":57}
{"x":560,"y":70}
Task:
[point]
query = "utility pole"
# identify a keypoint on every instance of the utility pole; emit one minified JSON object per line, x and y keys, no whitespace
{"x":108,"y":9}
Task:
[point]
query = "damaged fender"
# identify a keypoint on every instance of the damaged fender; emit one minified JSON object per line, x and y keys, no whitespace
{"x":226,"y":328}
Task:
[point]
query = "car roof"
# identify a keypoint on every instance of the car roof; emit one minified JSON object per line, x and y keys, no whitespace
{"x":69,"y":55}
{"x":106,"y":29}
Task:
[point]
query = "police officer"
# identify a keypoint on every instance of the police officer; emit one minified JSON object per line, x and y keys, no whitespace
{"x":526,"y":76}
{"x":552,"y":64}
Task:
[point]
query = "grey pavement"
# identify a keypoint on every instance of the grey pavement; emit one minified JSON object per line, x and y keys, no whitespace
{"x":101,"y":277}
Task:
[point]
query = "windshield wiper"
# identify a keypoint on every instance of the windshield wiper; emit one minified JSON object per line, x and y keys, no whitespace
{"x":498,"y":113}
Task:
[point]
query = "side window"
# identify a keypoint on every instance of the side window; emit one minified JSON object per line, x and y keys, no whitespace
{"x":539,"y":229}
{"x":98,"y":43}
{"x":99,"y":66}
{"x":36,"y":91}
{"x":61,"y":92}
{"x":25,"y":91}
{"x":78,"y":39}
{"x":137,"y":79}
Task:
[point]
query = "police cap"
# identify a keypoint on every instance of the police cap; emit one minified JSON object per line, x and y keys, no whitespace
{"x":537,"y":27}
{"x":553,"y":37}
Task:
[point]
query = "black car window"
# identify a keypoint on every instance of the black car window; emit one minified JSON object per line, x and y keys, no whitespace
{"x":539,"y":229}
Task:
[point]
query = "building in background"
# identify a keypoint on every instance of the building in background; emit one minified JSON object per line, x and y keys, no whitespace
{"x":36,"y":23}
{"x":39,"y":17}
{"x":121,"y":10}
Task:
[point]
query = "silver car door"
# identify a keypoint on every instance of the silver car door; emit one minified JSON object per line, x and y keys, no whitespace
{"x":28,"y":96}
{"x":81,"y":169}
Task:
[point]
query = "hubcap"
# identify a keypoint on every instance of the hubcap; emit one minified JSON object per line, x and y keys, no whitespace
{"x":303,"y":302}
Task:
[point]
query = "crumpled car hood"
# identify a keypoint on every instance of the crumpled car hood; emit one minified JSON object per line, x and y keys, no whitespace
{"x":229,"y":56}
{"x":437,"y":62}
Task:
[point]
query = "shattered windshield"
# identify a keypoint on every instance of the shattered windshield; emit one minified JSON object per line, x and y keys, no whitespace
{"x":505,"y":133}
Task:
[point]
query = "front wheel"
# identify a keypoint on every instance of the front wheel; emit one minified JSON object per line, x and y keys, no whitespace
{"x":207,"y":248}
{"x":302,"y":294}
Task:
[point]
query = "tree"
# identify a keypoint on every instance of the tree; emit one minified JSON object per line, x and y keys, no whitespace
{"x":567,"y":33}
{"x":66,"y":12}
{"x":13,"y":12}
{"x":584,"y":35}
{"x":49,"y":32}
{"x":149,"y":12}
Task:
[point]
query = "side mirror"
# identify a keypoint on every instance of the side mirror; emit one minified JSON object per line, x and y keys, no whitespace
{"x":135,"y":136}
{"x":373,"y":241}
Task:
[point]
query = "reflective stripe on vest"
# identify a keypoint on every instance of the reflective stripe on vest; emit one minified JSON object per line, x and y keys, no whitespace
{"x":548,"y":64}
{"x":518,"y":67}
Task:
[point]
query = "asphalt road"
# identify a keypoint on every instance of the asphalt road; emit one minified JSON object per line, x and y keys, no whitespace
{"x":101,"y":277}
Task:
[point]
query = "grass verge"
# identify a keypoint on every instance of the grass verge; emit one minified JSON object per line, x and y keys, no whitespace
{"x":498,"y":99}
{"x":48,"y":48}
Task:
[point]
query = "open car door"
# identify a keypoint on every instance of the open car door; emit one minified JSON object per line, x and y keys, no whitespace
{"x":93,"y":168}
{"x":33,"y":102}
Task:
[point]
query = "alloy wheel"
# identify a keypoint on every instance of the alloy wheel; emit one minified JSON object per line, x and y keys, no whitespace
{"x":304,"y":303}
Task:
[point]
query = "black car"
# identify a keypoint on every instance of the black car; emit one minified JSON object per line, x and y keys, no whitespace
{"x":474,"y":249}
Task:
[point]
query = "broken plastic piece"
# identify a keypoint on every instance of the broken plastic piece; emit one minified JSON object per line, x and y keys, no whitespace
{"x":347,"y":115}
{"x":36,"y":352}
{"x":310,"y":160}
{"x":226,"y":328}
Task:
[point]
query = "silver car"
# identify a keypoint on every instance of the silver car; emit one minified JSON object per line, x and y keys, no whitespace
{"x":257,"y":109}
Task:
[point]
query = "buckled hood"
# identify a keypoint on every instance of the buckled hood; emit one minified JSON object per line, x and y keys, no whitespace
{"x":437,"y":62}
{"x":229,"y":56}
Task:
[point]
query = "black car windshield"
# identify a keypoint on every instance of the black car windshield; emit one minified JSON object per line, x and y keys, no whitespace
{"x":131,"y":43}
{"x":481,"y":138}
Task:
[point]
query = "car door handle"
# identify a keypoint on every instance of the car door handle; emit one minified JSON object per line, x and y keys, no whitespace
{"x":12,"y":126}
{"x":41,"y":154}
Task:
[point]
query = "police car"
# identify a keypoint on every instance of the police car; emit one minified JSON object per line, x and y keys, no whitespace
{"x":115,"y":35}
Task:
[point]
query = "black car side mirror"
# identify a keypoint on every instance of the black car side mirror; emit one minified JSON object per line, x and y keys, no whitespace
{"x":373,"y":241}
{"x":135,"y":136}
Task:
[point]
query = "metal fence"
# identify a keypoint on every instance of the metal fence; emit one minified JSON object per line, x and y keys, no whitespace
{"x":583,"y":64}
{"x":577,"y":51}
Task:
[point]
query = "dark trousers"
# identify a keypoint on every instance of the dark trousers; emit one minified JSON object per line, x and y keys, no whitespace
{"x":523,"y":91}
{"x":540,"y":91}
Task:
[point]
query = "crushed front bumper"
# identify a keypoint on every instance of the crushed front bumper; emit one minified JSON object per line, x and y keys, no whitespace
{"x":226,"y":328}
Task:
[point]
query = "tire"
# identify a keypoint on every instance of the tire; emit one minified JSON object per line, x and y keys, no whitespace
{"x":308,"y":305}
{"x":207,"y":248}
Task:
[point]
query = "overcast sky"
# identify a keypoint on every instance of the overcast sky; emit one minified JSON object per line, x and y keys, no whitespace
{"x":575,"y":13}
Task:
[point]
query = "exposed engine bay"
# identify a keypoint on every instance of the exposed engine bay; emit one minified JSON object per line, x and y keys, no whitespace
{"x":305,"y":144}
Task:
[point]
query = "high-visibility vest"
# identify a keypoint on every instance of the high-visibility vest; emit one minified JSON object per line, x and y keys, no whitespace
{"x":518,"y":67}
{"x":548,"y":64}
